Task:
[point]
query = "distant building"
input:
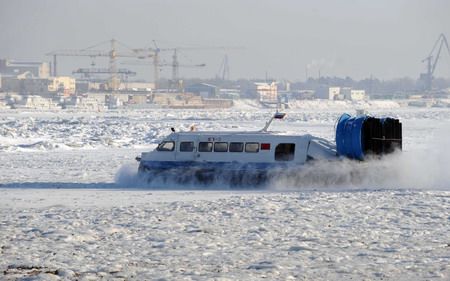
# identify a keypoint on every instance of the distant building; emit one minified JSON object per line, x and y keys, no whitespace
{"x":100,"y":97}
{"x":354,"y":95}
{"x":81,"y":87}
{"x":340,"y":93}
{"x":14,"y":68}
{"x":36,"y":102}
{"x":203,"y":89}
{"x":138,"y":99}
{"x":267,"y":92}
{"x":303,"y":94}
{"x":358,"y":95}
{"x":62,"y":84}
{"x":334,"y":92}
{"x":345,"y":94}
{"x":322,"y":92}
{"x":84,"y":103}
{"x":229,"y":94}
{"x":25,"y":86}
{"x":137,"y":86}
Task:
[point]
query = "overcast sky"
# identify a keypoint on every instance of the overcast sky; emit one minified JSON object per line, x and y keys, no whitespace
{"x":383,"y":38}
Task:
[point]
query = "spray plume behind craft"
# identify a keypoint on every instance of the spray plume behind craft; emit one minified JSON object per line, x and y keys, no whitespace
{"x":414,"y":168}
{"x":421,"y":170}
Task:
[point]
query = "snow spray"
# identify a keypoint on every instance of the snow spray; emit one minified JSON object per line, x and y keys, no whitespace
{"x":424,"y":168}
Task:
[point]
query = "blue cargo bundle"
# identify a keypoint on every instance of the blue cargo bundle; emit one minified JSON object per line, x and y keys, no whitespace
{"x":363,"y":135}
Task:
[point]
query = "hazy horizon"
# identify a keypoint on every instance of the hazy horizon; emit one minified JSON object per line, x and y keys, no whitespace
{"x":386,"y":39}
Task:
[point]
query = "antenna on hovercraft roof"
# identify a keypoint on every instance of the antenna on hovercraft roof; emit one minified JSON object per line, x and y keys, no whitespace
{"x":277,"y":115}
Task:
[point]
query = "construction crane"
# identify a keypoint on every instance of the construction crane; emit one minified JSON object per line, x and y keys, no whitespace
{"x":156,"y":58}
{"x":112,"y":54}
{"x":143,"y":53}
{"x":432,"y":61}
{"x":224,"y":69}
{"x":174,"y":64}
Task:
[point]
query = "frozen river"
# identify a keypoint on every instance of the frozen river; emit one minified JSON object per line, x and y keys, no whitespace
{"x":72,"y":208}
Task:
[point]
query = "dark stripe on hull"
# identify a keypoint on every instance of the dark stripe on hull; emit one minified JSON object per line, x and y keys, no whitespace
{"x":191,"y":172}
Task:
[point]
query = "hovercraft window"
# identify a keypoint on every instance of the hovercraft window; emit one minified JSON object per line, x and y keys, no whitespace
{"x":205,"y":146}
{"x":220,"y":147}
{"x":166,"y":146}
{"x":186,"y":146}
{"x":285,"y":152}
{"x":251,"y":147}
{"x":236,"y":146}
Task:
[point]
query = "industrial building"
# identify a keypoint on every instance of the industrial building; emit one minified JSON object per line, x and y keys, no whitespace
{"x":203,"y":89}
{"x":25,"y":86}
{"x":357,"y":95}
{"x":340,"y":93}
{"x":32,"y":78}
{"x":13,"y":68}
{"x":62,"y":84}
{"x":267,"y":92}
{"x":84,"y":103}
{"x":136,"y":86}
{"x":334,"y":92}
{"x":229,"y":94}
{"x":35,"y":102}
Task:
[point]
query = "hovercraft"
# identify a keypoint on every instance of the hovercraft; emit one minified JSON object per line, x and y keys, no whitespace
{"x":242,"y":158}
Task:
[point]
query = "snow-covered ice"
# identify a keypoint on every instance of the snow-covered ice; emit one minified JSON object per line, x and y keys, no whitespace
{"x":149,"y":235}
{"x":71,"y":207}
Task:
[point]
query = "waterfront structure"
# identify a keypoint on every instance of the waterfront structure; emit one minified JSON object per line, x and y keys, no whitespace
{"x":203,"y":89}
{"x":62,"y":84}
{"x":267,"y":92}
{"x":13,"y":68}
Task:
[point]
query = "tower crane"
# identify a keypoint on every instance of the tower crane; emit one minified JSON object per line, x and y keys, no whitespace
{"x":143,"y":53}
{"x":112,"y":54}
{"x":224,"y":69}
{"x":156,"y":58}
{"x":432,"y":61}
{"x":175,"y":64}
